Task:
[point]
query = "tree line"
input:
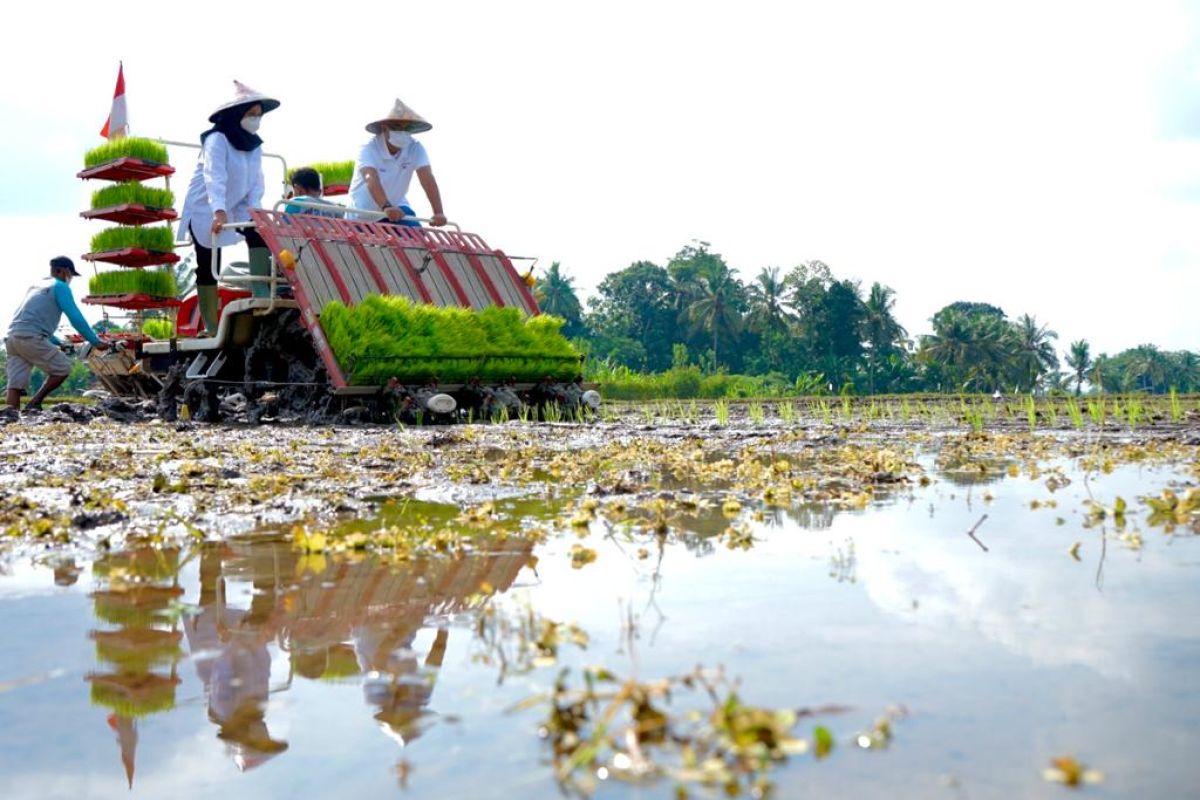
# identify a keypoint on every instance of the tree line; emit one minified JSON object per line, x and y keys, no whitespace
{"x":808,"y":328}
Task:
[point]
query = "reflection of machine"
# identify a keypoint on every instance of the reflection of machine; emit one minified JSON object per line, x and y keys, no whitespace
{"x":343,"y":617}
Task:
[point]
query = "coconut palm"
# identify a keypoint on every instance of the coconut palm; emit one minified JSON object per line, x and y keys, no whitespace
{"x":715,"y":307}
{"x":1079,"y":359}
{"x":1033,"y":351}
{"x":769,"y":311}
{"x":880,"y":330}
{"x":555,"y":293}
{"x":971,"y":351}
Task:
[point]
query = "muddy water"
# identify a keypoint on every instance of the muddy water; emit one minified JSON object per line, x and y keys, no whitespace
{"x":249,"y":668}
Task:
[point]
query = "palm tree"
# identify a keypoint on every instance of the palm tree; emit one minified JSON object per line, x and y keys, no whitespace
{"x":880,"y":330}
{"x":555,"y":293}
{"x":714,"y":308}
{"x":1033,"y":351}
{"x":968,"y":349}
{"x":1079,"y":359}
{"x":769,"y":312}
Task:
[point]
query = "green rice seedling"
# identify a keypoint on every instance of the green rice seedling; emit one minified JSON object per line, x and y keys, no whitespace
{"x":385,"y":337}
{"x":1098,"y":410}
{"x":1075,"y":413}
{"x":826,"y":412}
{"x":847,"y":408}
{"x":787,"y":412}
{"x":721,"y":409}
{"x":333,"y":173}
{"x":989,"y":408}
{"x":1134,"y":412}
{"x":552,"y":412}
{"x":648,"y":414}
{"x":158,"y":239}
{"x":125,"y":147}
{"x":132,"y":192}
{"x":905,"y":409}
{"x":1031,"y":412}
{"x":873,"y":410}
{"x":1176,"y":406}
{"x":1052,"y":412}
{"x":158,"y":328}
{"x":756,"y":413}
{"x":154,"y":282}
{"x":974,"y":417}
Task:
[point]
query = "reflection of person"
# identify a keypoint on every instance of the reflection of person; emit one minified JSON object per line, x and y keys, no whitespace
{"x":237,"y":676}
{"x":227,"y":183}
{"x":306,"y":186}
{"x":402,"y":690}
{"x":31,"y":341}
{"x":385,"y":166}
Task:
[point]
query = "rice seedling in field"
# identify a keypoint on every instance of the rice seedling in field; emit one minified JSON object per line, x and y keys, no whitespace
{"x":154,"y":282}
{"x":1097,"y":410}
{"x":721,"y":409}
{"x":132,"y":192}
{"x":905,"y":409}
{"x":756,"y":413}
{"x":385,"y":337}
{"x":157,"y":239}
{"x":1176,"y":407}
{"x":974,"y":417}
{"x":826,"y":412}
{"x":787,"y":412}
{"x":1075,"y":413}
{"x":333,"y":173}
{"x":158,"y":328}
{"x":1031,"y":412}
{"x":1134,"y":412}
{"x":1052,"y":413}
{"x":125,"y":147}
{"x":552,"y":412}
{"x":847,"y":408}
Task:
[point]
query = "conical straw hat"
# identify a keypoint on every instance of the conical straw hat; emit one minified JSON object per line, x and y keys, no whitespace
{"x":245,"y":96}
{"x":401,"y":113}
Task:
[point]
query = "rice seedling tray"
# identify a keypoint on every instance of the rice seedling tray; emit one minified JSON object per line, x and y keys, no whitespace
{"x":127,"y":169}
{"x":134,"y":257}
{"x":131,"y":214}
{"x":131,"y":302}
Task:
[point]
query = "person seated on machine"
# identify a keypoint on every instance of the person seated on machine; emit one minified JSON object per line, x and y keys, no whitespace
{"x":306,"y":187}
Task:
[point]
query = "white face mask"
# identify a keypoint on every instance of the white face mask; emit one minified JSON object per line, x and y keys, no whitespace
{"x":399,"y":139}
{"x":250,"y":124}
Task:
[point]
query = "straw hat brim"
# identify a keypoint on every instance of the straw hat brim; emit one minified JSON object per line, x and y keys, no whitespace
{"x":411,"y":125}
{"x":267,"y":103}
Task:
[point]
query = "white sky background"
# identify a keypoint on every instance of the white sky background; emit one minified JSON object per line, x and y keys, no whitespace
{"x":1041,"y":156}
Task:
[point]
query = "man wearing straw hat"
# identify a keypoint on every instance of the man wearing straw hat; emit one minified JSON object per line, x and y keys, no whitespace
{"x":385,"y":167}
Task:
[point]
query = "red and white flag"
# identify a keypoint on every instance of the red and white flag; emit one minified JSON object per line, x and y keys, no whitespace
{"x":117,"y":124}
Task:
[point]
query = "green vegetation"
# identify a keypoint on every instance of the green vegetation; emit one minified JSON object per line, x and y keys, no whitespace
{"x":385,"y":337}
{"x":132,"y":192}
{"x":154,"y":282}
{"x":158,"y":328}
{"x":128,"y":146}
{"x":333,"y":173}
{"x":824,"y":334}
{"x":157,"y":239}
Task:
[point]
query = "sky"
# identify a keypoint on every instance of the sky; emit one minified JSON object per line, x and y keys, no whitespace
{"x":1040,"y":156}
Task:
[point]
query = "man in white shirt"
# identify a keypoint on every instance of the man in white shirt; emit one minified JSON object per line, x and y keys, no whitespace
{"x":385,"y":166}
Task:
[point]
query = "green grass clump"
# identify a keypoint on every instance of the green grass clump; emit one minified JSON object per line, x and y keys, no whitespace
{"x":154,"y":282}
{"x":385,"y":337}
{"x":158,"y":238}
{"x":133,"y":192}
{"x":127,"y":146}
{"x":333,"y":173}
{"x":157,"y":328}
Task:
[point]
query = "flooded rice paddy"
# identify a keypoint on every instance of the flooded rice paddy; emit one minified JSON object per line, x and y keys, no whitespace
{"x":632,"y":608}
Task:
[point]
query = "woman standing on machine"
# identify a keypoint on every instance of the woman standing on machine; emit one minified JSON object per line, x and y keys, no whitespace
{"x":228,"y":182}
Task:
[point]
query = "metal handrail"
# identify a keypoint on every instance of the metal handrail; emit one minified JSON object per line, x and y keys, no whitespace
{"x":313,"y":204}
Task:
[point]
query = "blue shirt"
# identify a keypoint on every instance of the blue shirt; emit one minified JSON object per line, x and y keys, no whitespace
{"x":320,"y":212}
{"x":42,"y":310}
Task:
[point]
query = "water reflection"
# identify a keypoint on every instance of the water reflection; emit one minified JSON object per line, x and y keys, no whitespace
{"x":266,"y":616}
{"x":137,"y":646}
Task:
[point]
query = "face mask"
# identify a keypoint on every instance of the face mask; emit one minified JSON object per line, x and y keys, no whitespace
{"x":250,"y":124}
{"x":399,"y":139}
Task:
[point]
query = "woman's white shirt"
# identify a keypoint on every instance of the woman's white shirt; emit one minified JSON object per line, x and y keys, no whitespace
{"x":225,"y":178}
